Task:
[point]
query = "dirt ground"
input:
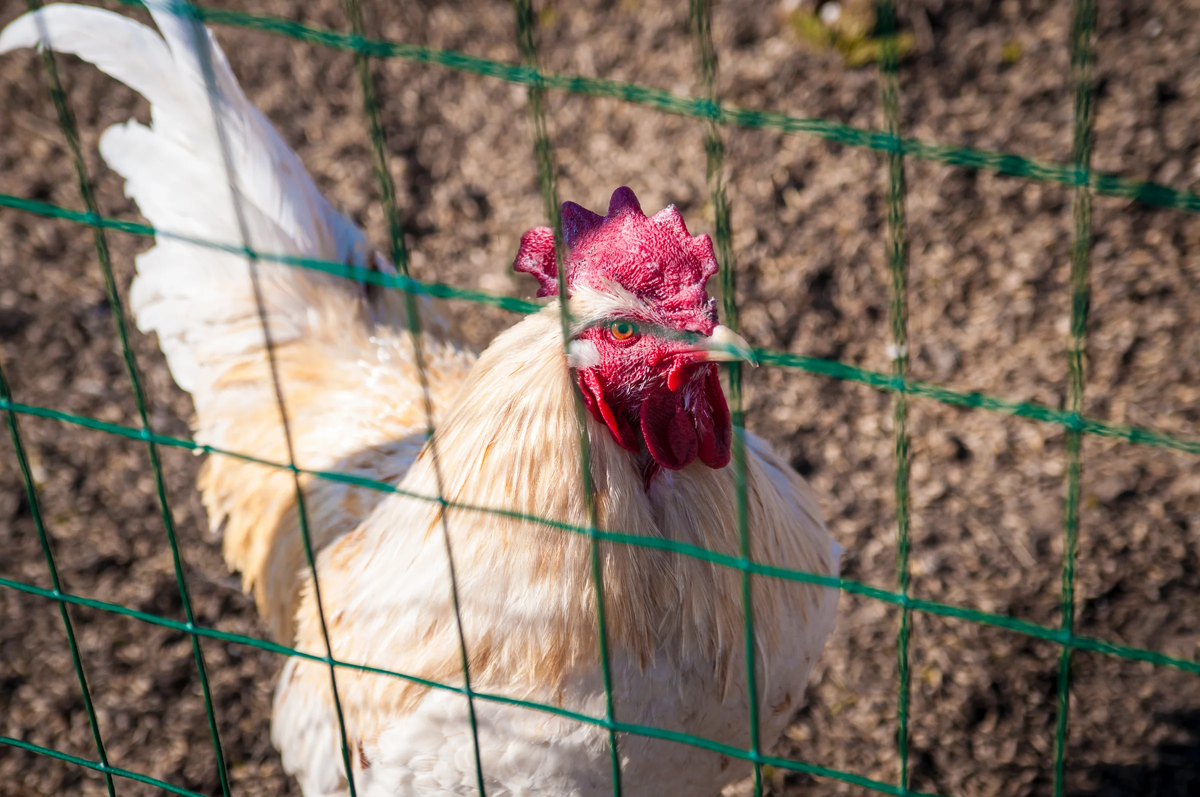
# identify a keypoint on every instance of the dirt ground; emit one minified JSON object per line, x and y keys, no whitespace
{"x":990,"y":303}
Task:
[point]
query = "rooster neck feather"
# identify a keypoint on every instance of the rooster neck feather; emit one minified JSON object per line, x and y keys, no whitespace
{"x":527,"y":599}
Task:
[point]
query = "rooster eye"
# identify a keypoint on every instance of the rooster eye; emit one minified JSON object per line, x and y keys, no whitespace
{"x":622,"y":330}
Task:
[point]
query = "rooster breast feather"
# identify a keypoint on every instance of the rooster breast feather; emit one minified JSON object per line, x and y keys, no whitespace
{"x":526,"y":601}
{"x":345,"y":365}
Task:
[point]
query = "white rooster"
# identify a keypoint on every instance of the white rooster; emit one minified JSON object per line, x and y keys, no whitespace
{"x":507,"y":438}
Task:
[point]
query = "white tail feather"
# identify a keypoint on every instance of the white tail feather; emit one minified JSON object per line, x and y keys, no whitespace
{"x":176,"y":172}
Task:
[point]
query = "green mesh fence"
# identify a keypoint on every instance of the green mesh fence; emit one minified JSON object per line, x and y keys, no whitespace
{"x":714,"y":116}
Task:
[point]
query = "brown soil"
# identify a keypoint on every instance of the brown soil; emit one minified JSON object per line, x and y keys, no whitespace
{"x":990,"y":302}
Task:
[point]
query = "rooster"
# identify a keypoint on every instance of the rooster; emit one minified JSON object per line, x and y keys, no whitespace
{"x":644,"y":343}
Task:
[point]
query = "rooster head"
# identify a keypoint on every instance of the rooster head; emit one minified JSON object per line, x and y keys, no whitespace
{"x":645,"y":331}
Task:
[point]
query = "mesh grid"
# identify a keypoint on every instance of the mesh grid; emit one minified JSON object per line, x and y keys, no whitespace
{"x":1077,"y":174}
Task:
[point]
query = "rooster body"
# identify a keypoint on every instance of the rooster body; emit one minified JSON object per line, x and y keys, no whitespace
{"x":507,"y":438}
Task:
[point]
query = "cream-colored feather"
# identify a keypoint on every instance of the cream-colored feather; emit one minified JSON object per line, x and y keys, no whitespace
{"x":674,"y":625}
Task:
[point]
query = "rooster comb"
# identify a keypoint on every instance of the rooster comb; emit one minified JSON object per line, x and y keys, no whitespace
{"x":652,"y":257}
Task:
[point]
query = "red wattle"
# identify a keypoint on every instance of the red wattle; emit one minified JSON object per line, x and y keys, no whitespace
{"x":713,"y":423}
{"x":675,"y":431}
{"x":618,"y":424}
{"x":668,"y":430}
{"x":677,"y":376}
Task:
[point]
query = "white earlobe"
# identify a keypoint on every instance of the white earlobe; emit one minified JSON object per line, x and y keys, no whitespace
{"x":582,"y":354}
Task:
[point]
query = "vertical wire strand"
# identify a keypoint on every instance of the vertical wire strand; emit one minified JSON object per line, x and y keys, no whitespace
{"x":700,"y":13}
{"x":544,"y":154}
{"x":189,"y":12}
{"x":889,"y":87}
{"x":35,"y":511}
{"x":66,"y":123}
{"x":387,"y":189}
{"x":1083,"y":27}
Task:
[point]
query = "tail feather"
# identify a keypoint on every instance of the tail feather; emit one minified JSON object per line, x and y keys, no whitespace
{"x":132,"y":53}
{"x":343,"y":359}
{"x":176,"y":172}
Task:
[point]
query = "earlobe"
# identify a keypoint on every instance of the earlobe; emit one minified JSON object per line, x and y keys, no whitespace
{"x":582,"y":354}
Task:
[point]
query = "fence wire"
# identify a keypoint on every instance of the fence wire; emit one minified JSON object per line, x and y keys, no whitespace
{"x":1078,"y":175}
{"x":889,"y":91}
{"x":1083,"y":28}
{"x":544,"y":155}
{"x":714,"y":147}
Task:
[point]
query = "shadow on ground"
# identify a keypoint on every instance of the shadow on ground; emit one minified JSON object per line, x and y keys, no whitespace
{"x":1169,"y":769}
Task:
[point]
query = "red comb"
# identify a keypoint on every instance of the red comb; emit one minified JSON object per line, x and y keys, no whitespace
{"x":654,"y":258}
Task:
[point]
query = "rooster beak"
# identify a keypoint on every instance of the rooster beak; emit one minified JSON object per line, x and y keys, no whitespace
{"x":725,"y":346}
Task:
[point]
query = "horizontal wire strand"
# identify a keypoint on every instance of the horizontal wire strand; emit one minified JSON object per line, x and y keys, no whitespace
{"x":95,"y":766}
{"x":656,"y":543}
{"x":622,"y":727}
{"x":1076,"y":642}
{"x":814,"y":365}
{"x":967,"y":157}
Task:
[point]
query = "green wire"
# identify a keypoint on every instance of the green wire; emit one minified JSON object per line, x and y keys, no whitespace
{"x":964,"y":157}
{"x":815,"y":365}
{"x":889,"y":90}
{"x":1054,"y":635}
{"x":1083,"y":27}
{"x":700,"y":13}
{"x":102,"y":767}
{"x":35,"y":510}
{"x":1023,"y":627}
{"x":526,"y":30}
{"x":162,"y":439}
{"x":654,"y":543}
{"x":412,"y":316}
{"x":400,"y":282}
{"x":66,"y":123}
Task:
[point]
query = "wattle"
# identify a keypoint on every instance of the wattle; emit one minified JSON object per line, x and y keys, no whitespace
{"x":669,"y":430}
{"x":675,"y":431}
{"x":676,"y":434}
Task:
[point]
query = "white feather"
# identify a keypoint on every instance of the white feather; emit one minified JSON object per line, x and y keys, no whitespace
{"x":131,"y":53}
{"x":582,"y":354}
{"x":176,"y":172}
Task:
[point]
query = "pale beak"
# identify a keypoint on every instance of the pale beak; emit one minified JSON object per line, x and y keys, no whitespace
{"x":725,"y":346}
